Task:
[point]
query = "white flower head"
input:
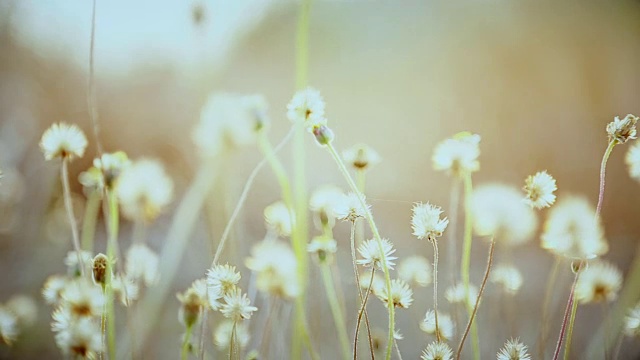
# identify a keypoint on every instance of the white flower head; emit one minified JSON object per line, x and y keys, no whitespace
{"x":323,"y":202}
{"x":307,"y":107}
{"x":8,"y":325}
{"x":52,"y":289}
{"x":193,"y":301}
{"x":81,"y":338}
{"x":457,"y":294}
{"x":92,"y":180}
{"x":498,"y":211}
{"x":372,"y":257}
{"x":633,"y":161}
{"x":83,"y":298}
{"x":275,"y":265}
{"x":632,"y":322}
{"x":508,"y":276}
{"x":237,"y":306}
{"x":445,"y":324}
{"x":24,"y":308}
{"x":350,"y":208}
{"x":71,"y":261}
{"x":125,"y":289}
{"x":279,"y":218}
{"x":539,"y":190}
{"x":401,"y":294}
{"x":221,"y":280}
{"x":600,"y":281}
{"x":144,"y":189}
{"x":223,"y":333}
{"x":621,"y":130}
{"x":63,"y":141}
{"x":142,"y":264}
{"x":513,"y":350}
{"x":361,"y":157}
{"x":377,"y":283}
{"x":111,"y":165}
{"x":437,"y":351}
{"x":571,"y":230}
{"x":458,"y":155}
{"x":426,"y":222}
{"x":324,"y":247}
{"x":415,"y":270}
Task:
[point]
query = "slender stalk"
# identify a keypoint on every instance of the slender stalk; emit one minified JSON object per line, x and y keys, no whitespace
{"x":565,"y":318}
{"x":264,"y":341}
{"x":203,"y":329}
{"x":361,"y":182}
{"x":616,"y":351}
{"x":338,"y":318}
{"x":90,"y":218}
{"x":477,"y":304}
{"x":184,"y":354}
{"x":360,"y":296}
{"x":395,"y":342}
{"x":64,"y":174}
{"x":607,"y":324}
{"x":572,"y":319}
{"x":363,"y":310}
{"x":376,"y":235}
{"x":233,"y":346}
{"x":603,"y":169}
{"x":434,"y":242}
{"x":454,"y":201}
{"x":112,"y":246}
{"x":91,"y":94}
{"x":468,"y":226}
{"x":548,"y":295}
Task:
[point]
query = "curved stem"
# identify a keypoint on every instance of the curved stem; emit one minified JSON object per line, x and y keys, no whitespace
{"x":338,"y":318}
{"x":360,"y":297}
{"x":565,"y":318}
{"x":376,"y":235}
{"x":572,"y":319}
{"x":548,"y":295}
{"x":603,"y":169}
{"x":477,"y":304}
{"x":435,"y":285}
{"x":184,"y":354}
{"x":363,"y":310}
{"x":68,"y":205}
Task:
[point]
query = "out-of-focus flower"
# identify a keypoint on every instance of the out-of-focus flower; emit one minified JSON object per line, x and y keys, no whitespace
{"x":600,"y":281}
{"x":125,"y":289}
{"x":52,"y":289}
{"x":377,"y":283}
{"x":8,"y":325}
{"x":193,"y":301}
{"x":415,"y":270}
{"x":508,"y":276}
{"x":83,"y":298}
{"x":361,"y":156}
{"x":223,"y":333}
{"x":323,"y":202}
{"x":82,"y":338}
{"x":445,"y":324}
{"x":279,"y":218}
{"x":426,"y":222}
{"x":401,"y":294}
{"x":237,"y":306}
{"x":24,"y":308}
{"x":324,"y":247}
{"x":514,"y":350}
{"x":437,"y":351}
{"x":350,"y":208}
{"x":457,"y":294}
{"x":142,"y":264}
{"x":92,"y":180}
{"x":307,"y":107}
{"x":633,"y":160}
{"x":63,"y":141}
{"x":275,"y":265}
{"x":539,"y":190}
{"x":458,"y":155}
{"x":71,"y":261}
{"x":622,"y":130}
{"x":111,"y":165}
{"x":221,"y":280}
{"x":632,"y":322}
{"x":143,"y":190}
{"x":371,"y":256}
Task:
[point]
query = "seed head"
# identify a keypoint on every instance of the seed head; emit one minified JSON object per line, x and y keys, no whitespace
{"x":63,"y":141}
{"x":622,"y":130}
{"x":99,"y":269}
{"x":426,"y":222}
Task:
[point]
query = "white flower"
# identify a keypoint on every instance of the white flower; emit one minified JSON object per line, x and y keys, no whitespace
{"x":600,"y":281}
{"x":539,"y":190}
{"x":144,"y":189}
{"x":513,"y":350}
{"x":125,"y":289}
{"x":223,"y":333}
{"x":324,"y":247}
{"x":371,"y":256}
{"x":622,"y":130}
{"x":571,"y":230}
{"x":279,"y":218}
{"x":63,"y":141}
{"x":445,"y":324}
{"x":632,"y":322}
{"x":52,"y":289}
{"x":437,"y":351}
{"x":237,"y":306}
{"x":8,"y":325}
{"x":633,"y":160}
{"x":457,"y":294}
{"x":194,"y":300}
{"x":276,"y":268}
{"x":142,"y":264}
{"x":71,"y":261}
{"x":401,"y":294}
{"x":81,"y":339}
{"x":458,"y":155}
{"x":361,"y":156}
{"x":307,"y":107}
{"x":323,"y":202}
{"x":415,"y":270}
{"x":92,"y":180}
{"x":111,"y":165}
{"x":221,"y":280}
{"x":83,"y":298}
{"x":426,"y":222}
{"x":350,"y":208}
{"x":508,"y":276}
{"x":377,"y":283}
{"x":24,"y":308}
{"x":498,"y":210}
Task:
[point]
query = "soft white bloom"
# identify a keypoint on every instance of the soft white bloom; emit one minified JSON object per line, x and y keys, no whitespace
{"x":377,"y":283}
{"x":276,"y":268}
{"x":457,"y":294}
{"x":350,"y":208}
{"x":193,"y":301}
{"x":63,"y":141}
{"x":445,"y":324}
{"x":539,"y":190}
{"x":632,"y":322}
{"x":323,"y":202}
{"x":633,"y":160}
{"x":83,"y":298}
{"x":111,"y":165}
{"x":426,"y":222}
{"x":401,"y":294}
{"x":125,"y":289}
{"x":600,"y":281}
{"x":279,"y":218}
{"x":221,"y":280}
{"x":622,"y":130}
{"x":458,"y":155}
{"x":416,"y":270}
{"x":81,"y":339}
{"x":324,"y":247}
{"x":508,"y":276}
{"x":371,"y":255}
{"x":437,"y":351}
{"x":62,"y":319}
{"x":513,"y":350}
{"x":71,"y":261}
{"x":142,"y":264}
{"x":52,"y":289}
{"x":307,"y":107}
{"x":223,"y":333}
{"x":8,"y":325}
{"x":24,"y":308}
{"x":144,"y":189}
{"x":361,"y":157}
{"x":92,"y":180}
{"x":498,"y":211}
{"x":572,"y":230}
{"x":237,"y":306}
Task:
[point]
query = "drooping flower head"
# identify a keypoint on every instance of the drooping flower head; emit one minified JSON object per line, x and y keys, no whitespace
{"x":193,"y":301}
{"x":144,"y":190}
{"x":350,"y":207}
{"x":63,"y":141}
{"x":361,"y":157}
{"x":600,"y":281}
{"x":621,"y":130}
{"x":539,"y":190}
{"x":426,"y":222}
{"x":324,"y":247}
{"x":458,"y":155}
{"x":278,"y":218}
{"x":323,"y":202}
{"x":514,"y":350}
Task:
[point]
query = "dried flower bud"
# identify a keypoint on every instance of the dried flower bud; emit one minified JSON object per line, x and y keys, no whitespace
{"x":622,"y":130}
{"x":100,"y":266}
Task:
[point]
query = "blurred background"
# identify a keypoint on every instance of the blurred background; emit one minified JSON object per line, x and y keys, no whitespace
{"x":538,"y":81}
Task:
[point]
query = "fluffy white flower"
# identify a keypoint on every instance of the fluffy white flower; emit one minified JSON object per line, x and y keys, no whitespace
{"x":223,"y":333}
{"x":401,"y":294}
{"x":445,"y":324}
{"x":437,"y":351}
{"x":632,"y":322}
{"x":600,"y":281}
{"x":415,"y":270}
{"x":508,"y":276}
{"x":111,"y":165}
{"x":539,"y":190}
{"x":276,"y":268}
{"x":279,"y":218}
{"x":350,"y":208}
{"x":24,"y":308}
{"x":221,"y":280}
{"x":63,"y":141}
{"x":371,"y":256}
{"x":622,"y":130}
{"x":426,"y":222}
{"x":513,"y":350}
{"x":80,"y":339}
{"x":307,"y":107}
{"x":458,"y":155}
{"x":361,"y":157}
{"x":457,"y":294}
{"x":83,"y":298}
{"x":237,"y":306}
{"x":142,"y":264}
{"x":52,"y":289}
{"x":324,"y":247}
{"x":633,"y":160}
{"x":323,"y":202}
{"x":144,"y":189}
{"x":8,"y":325}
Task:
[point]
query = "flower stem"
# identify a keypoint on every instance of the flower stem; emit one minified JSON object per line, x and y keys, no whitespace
{"x":435,"y":285}
{"x":376,"y":235}
{"x":91,"y":94}
{"x":112,"y":249}
{"x":454,"y":201}
{"x":64,"y":174}
{"x":360,"y":297}
{"x":90,"y":219}
{"x":338,"y":318}
{"x":184,"y":354}
{"x":363,"y":310}
{"x":466,"y":256}
{"x":477,"y":304}
{"x":233,"y":346}
{"x":548,"y":295}
{"x":567,"y":311}
{"x":572,"y":319}
{"x":603,"y":169}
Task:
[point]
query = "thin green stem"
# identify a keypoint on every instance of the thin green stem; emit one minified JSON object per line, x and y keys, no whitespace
{"x":567,"y":311}
{"x":360,"y":297}
{"x":184,"y":354}
{"x":572,"y":318}
{"x":91,"y":94}
{"x":435,"y":285}
{"x":376,"y":236}
{"x":338,"y":317}
{"x":90,"y":218}
{"x":233,"y":346}
{"x":548,"y":295}
{"x":363,"y":310}
{"x":112,"y":249}
{"x":68,"y":204}
{"x":466,"y":256}
{"x":603,"y":169}
{"x":361,"y":182}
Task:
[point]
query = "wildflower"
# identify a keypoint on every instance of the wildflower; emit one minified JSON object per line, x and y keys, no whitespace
{"x":426,"y":222}
{"x":83,"y":298}
{"x":350,"y":207}
{"x":508,"y":276}
{"x":323,"y":202}
{"x":63,"y":141}
{"x":415,"y":270}
{"x":92,"y":180}
{"x":458,"y":294}
{"x":8,"y":325}
{"x":498,"y":211}
{"x":194,"y":301}
{"x":571,"y":230}
{"x":437,"y":351}
{"x":445,"y":324}
{"x":401,"y":294}
{"x":324,"y":247}
{"x":377,"y":284}
{"x":24,"y":308}
{"x":71,"y":261}
{"x":398,"y":335}
{"x":600,"y":281}
{"x":361,"y":156}
{"x":221,"y":280}
{"x":323,"y":134}
{"x":237,"y":306}
{"x":633,"y":161}
{"x":142,"y":264}
{"x":82,"y":338}
{"x":143,"y":190}
{"x":111,"y":165}
{"x":632,"y":322}
{"x":99,"y":269}
{"x":52,"y":289}
{"x":372,"y":257}
{"x":125,"y":289}
{"x":458,"y":155}
{"x":279,"y":218}
{"x":622,"y":130}
{"x":539,"y":189}
{"x":514,"y":350}
{"x":275,"y":265}
{"x":307,"y":107}
{"x":223,"y":333}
